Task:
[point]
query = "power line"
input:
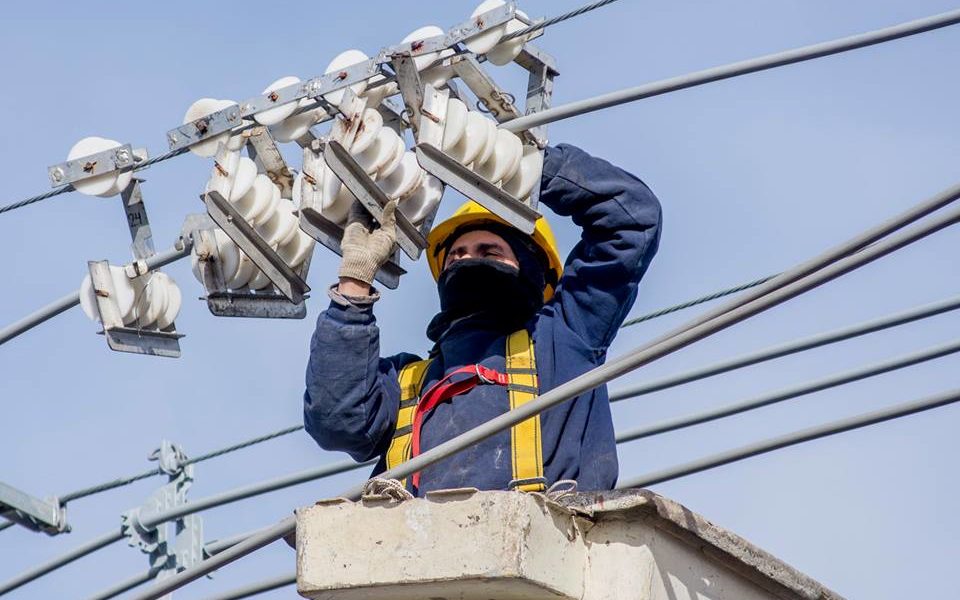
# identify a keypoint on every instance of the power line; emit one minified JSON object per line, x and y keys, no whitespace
{"x":696,"y":301}
{"x":815,"y":272}
{"x":738,"y":454}
{"x":558,"y":19}
{"x":791,"y":439}
{"x":769,"y":61}
{"x":838,"y":335}
{"x":790,"y":393}
{"x":69,"y":188}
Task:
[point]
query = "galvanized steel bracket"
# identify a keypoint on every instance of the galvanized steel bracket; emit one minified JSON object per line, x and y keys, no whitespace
{"x":135,"y":340}
{"x":287,"y":281}
{"x":48,"y":515}
{"x":315,"y":169}
{"x":168,"y":552}
{"x":121,"y":158}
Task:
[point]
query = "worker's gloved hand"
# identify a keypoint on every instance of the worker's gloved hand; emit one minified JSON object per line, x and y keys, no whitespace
{"x":365,"y":249}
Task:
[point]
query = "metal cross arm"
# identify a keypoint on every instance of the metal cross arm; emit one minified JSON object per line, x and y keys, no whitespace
{"x":40,"y":515}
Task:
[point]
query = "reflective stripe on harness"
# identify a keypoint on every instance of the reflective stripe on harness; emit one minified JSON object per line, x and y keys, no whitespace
{"x":522,"y":386}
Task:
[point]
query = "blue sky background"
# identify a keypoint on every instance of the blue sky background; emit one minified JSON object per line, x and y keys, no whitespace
{"x":755,"y":174}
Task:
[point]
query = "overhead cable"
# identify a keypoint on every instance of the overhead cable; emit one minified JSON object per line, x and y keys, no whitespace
{"x":558,"y":19}
{"x":69,"y":188}
{"x":689,"y":303}
{"x":103,"y":487}
{"x":745,"y":67}
{"x":817,"y":271}
{"x":257,"y":588}
{"x":744,"y":452}
{"x":791,"y":392}
{"x":791,"y":439}
{"x":838,"y":335}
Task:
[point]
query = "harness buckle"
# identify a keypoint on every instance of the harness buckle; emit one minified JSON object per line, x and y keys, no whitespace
{"x":483,"y":378}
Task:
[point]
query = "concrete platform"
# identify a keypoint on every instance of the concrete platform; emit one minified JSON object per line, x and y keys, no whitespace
{"x":470,"y":545}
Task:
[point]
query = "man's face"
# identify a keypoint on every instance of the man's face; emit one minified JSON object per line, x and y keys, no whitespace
{"x":481,"y":244}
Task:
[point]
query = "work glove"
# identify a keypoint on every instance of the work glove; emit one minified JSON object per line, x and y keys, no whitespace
{"x":366,"y":249}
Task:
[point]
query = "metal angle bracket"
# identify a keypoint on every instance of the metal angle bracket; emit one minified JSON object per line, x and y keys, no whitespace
{"x":365,"y":189}
{"x":411,"y":88}
{"x":137,"y":221}
{"x":312,"y":220}
{"x":135,"y":340}
{"x":471,"y":185}
{"x":245,"y":236}
{"x":33,"y":513}
{"x":223,"y":302}
{"x":167,"y":553}
{"x":542,"y":70}
{"x":121,"y":158}
{"x":263,"y":149}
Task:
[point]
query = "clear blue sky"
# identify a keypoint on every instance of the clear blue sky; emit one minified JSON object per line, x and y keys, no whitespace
{"x":755,"y":174}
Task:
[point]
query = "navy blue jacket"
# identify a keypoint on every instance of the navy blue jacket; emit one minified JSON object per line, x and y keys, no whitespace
{"x":352,"y":393}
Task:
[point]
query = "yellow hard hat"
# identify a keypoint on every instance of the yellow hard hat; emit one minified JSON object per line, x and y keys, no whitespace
{"x":470,"y":213}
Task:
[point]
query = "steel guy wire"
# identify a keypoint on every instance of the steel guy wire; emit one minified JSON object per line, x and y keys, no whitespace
{"x":769,"y":61}
{"x":109,"y":485}
{"x":816,"y":271}
{"x":791,"y":439}
{"x":704,"y":464}
{"x":69,"y":188}
{"x":558,"y":19}
{"x":696,"y":301}
{"x":791,"y":392}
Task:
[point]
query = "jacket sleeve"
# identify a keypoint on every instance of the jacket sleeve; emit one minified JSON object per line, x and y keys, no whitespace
{"x":352,"y":395}
{"x":621,"y":220}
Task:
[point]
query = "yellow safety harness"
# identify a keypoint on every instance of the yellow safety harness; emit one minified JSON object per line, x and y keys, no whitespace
{"x":522,"y":386}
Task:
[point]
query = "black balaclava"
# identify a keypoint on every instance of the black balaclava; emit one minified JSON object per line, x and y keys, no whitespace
{"x":498,"y":295}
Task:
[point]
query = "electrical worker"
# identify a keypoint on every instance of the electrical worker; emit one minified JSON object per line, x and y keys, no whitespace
{"x":513,"y":322}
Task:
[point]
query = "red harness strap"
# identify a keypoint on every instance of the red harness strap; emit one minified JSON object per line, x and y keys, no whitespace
{"x":444,"y":390}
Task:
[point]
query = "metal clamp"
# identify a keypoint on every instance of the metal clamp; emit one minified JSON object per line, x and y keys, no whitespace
{"x":121,"y":158}
{"x":135,"y":340}
{"x":33,"y":513}
{"x":167,"y":554}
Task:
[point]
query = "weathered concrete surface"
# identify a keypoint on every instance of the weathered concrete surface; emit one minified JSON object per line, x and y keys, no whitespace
{"x":468,"y":545}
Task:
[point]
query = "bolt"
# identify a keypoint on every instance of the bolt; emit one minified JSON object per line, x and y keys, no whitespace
{"x":247,"y":108}
{"x":172,"y":138}
{"x":123,"y":156}
{"x":57,"y":174}
{"x":232,"y":115}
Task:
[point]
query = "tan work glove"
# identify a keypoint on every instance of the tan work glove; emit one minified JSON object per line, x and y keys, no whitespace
{"x":365,"y":250}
